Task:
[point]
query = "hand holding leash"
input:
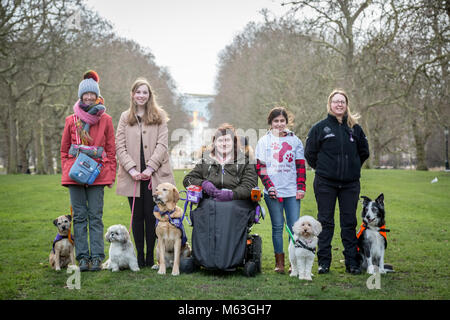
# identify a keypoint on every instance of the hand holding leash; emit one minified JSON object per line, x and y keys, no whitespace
{"x":273,"y":193}
{"x":147,"y":173}
{"x":135,"y":175}
{"x":300,"y":194}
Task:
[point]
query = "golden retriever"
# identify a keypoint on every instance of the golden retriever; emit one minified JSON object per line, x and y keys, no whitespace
{"x":169,"y":248}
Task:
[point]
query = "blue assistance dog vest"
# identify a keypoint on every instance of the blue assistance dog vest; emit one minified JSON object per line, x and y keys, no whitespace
{"x":177,"y":222}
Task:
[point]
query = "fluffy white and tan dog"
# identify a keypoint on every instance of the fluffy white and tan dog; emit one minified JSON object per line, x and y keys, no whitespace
{"x":172,"y":242}
{"x":62,"y":253}
{"x":121,"y":251}
{"x":302,"y":251}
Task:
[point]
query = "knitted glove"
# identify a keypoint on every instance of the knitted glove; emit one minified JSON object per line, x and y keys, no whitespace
{"x":134,"y":174}
{"x":223,"y":195}
{"x":209,"y":188}
{"x":147,"y":173}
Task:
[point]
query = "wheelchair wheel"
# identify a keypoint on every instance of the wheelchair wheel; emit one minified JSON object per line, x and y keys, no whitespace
{"x":250,"y":269}
{"x":187,"y":265}
{"x":254,"y":251}
{"x":257,"y":252}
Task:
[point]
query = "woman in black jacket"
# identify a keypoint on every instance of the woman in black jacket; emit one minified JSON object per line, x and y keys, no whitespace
{"x":336,"y":148}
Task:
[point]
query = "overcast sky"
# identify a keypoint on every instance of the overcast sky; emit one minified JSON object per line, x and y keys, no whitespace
{"x":185,"y":36}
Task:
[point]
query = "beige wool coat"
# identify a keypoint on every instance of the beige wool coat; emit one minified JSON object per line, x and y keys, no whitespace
{"x":156,"y":153}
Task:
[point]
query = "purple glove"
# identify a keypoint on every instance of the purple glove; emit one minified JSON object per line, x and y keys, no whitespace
{"x":209,"y":188}
{"x":223,"y":195}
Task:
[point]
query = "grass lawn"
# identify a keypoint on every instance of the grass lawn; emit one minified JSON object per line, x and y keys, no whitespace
{"x":417,"y":215}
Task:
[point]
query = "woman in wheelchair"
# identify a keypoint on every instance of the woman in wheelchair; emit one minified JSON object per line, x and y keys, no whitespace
{"x":222,"y":219}
{"x":224,"y":172}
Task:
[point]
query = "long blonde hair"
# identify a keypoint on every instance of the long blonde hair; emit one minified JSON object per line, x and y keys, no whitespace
{"x":352,"y":118}
{"x":153,"y":114}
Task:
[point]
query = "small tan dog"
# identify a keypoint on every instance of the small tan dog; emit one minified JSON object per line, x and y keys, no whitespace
{"x":169,"y":230}
{"x":62,"y":253}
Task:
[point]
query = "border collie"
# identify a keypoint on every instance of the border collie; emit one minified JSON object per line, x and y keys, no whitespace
{"x":372,"y":241}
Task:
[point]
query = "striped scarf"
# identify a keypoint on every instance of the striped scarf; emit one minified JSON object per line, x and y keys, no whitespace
{"x":88,"y":115}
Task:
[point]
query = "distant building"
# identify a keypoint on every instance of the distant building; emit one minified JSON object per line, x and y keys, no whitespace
{"x":187,"y":150}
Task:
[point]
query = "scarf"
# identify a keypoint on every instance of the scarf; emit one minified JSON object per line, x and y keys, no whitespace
{"x":88,"y":115}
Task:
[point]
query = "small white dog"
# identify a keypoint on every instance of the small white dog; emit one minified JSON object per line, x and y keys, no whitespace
{"x":121,"y":251}
{"x":302,"y":252}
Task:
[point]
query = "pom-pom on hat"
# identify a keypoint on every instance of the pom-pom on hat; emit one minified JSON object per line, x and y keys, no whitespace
{"x":89,"y":84}
{"x":91,"y":74}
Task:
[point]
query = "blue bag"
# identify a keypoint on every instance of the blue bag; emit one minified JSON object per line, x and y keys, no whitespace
{"x":85,"y":169}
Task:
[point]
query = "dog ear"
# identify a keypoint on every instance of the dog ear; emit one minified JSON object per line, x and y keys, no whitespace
{"x":176,"y":195}
{"x":55,"y":222}
{"x":107,"y":236}
{"x":317,"y":227}
{"x":296,"y":227}
{"x":380,"y":199}
{"x":366,"y":200}
{"x":157,"y":215}
{"x":125,"y":233}
{"x":68,"y":216}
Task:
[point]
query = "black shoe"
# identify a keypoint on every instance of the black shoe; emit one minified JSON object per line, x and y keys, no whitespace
{"x":323,"y":269}
{"x":149,"y":262}
{"x":141,"y":260}
{"x":96,"y":264}
{"x":83,"y":264}
{"x":353,"y":270}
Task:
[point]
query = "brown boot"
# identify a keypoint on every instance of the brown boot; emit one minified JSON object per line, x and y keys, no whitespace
{"x":279,"y":262}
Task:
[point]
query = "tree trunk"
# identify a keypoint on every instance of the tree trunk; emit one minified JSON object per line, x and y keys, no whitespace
{"x":12,"y":142}
{"x":39,"y":140}
{"x":376,"y":151}
{"x":419,"y":141}
{"x":48,"y":154}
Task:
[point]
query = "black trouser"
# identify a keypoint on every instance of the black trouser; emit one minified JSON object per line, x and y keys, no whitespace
{"x":143,"y":224}
{"x":326,"y":193}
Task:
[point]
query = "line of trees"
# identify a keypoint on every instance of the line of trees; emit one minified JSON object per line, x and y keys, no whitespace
{"x":45,"y":47}
{"x":391,"y":56}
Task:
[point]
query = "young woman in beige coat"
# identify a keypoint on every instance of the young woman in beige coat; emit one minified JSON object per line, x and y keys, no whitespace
{"x":142,"y":151}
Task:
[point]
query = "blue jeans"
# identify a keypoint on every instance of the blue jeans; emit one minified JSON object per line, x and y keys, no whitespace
{"x":291,"y":208}
{"x":87,"y":205}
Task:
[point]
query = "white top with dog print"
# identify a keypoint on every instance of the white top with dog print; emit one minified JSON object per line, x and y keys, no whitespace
{"x":279,"y":155}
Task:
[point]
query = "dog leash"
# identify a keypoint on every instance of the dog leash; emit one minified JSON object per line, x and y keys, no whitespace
{"x":193,"y":196}
{"x":134,"y":199}
{"x":132,"y":206}
{"x":290,"y":234}
{"x":69,"y":236}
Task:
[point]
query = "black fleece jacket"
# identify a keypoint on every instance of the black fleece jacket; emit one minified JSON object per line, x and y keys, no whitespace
{"x":336,"y":151}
